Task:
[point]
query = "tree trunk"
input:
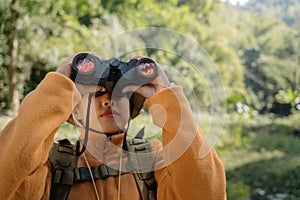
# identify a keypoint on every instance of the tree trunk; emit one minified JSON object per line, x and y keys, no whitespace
{"x":13,"y":45}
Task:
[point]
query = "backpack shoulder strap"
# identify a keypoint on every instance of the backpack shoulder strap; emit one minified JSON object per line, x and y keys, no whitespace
{"x":144,"y":166}
{"x":63,"y":160}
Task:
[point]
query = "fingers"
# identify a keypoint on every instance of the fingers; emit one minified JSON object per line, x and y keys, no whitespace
{"x":160,"y":82}
{"x":66,"y":66}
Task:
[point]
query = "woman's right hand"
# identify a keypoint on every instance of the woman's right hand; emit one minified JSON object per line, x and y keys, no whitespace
{"x":65,"y":68}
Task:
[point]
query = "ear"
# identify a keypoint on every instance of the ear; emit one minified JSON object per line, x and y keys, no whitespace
{"x":74,"y":117}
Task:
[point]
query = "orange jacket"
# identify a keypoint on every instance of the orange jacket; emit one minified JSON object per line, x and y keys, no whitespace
{"x":26,"y":140}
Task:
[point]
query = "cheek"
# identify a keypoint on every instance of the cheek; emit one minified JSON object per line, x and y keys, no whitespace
{"x":81,"y":110}
{"x":123,"y":105}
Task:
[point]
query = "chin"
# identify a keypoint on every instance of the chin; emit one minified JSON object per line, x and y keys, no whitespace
{"x":112,"y":125}
{"x":112,"y":129}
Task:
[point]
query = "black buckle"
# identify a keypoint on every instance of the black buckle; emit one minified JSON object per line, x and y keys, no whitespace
{"x":82,"y":174}
{"x":103,"y":171}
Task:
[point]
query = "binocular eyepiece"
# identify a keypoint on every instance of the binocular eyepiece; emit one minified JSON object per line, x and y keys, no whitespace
{"x":90,"y":70}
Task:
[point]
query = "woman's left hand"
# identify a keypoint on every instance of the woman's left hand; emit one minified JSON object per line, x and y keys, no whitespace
{"x":160,"y":82}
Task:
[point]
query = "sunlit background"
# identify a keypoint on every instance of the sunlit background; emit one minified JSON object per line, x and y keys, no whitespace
{"x":252,"y":46}
{"x":235,"y":2}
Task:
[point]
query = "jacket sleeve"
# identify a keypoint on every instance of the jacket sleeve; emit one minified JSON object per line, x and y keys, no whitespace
{"x":186,"y":174}
{"x":26,"y":140}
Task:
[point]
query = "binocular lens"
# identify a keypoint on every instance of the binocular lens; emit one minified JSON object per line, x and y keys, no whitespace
{"x":85,"y":65}
{"x":146,"y":68}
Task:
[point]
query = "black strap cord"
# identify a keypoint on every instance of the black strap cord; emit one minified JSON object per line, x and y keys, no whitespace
{"x":86,"y":128}
{"x":124,"y":146}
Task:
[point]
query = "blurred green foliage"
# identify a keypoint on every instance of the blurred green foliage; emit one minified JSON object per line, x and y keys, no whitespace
{"x":255,"y":54}
{"x":256,"y":49}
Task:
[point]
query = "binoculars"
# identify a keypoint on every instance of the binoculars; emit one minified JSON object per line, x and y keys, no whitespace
{"x":90,"y":70}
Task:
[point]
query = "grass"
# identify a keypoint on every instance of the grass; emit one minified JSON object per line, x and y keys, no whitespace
{"x":261,"y":155}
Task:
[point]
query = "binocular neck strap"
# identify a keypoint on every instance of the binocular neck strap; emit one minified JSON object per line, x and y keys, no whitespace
{"x":124,"y":145}
{"x":87,"y":126}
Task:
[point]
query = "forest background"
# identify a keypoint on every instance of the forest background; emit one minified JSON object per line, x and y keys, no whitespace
{"x":255,"y":48}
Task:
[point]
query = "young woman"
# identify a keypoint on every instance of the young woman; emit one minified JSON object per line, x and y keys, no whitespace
{"x":179,"y":172}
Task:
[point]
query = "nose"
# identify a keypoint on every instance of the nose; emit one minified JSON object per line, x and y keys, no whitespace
{"x":108,"y":102}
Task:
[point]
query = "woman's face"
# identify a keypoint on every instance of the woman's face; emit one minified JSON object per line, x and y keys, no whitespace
{"x":106,"y":115}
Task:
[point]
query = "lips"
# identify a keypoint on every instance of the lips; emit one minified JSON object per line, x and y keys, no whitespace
{"x":108,"y":113}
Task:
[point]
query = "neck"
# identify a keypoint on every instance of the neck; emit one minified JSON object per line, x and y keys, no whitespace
{"x":99,"y":138}
{"x":81,"y":127}
{"x":99,"y":146}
